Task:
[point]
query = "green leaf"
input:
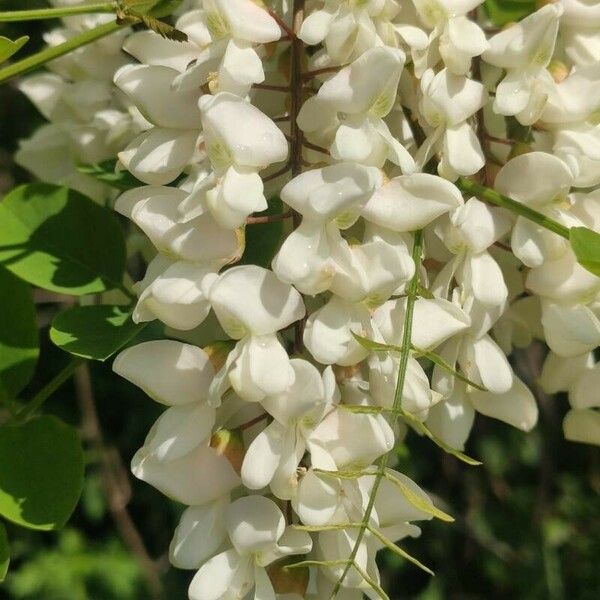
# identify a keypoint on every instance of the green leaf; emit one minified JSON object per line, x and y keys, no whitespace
{"x":10,"y":47}
{"x":586,"y":246}
{"x":60,"y":240}
{"x":41,"y":473}
{"x":423,"y":429}
{"x":95,"y":332}
{"x":419,"y":502}
{"x":4,"y":553}
{"x":263,"y":239}
{"x":19,"y":343}
{"x":502,"y":12}
{"x":106,"y":172}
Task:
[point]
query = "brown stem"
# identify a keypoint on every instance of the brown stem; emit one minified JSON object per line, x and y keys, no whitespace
{"x":115,"y":481}
{"x":269,"y":218}
{"x":323,"y":71}
{"x":315,"y":147}
{"x":281,"y":23}
{"x":271,"y":88}
{"x":493,"y":138}
{"x":282,"y":119}
{"x":278,"y":173}
{"x":254,"y":421}
{"x":295,"y":131}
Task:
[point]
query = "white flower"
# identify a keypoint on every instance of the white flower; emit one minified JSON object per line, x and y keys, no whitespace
{"x":174,"y":292}
{"x":524,"y":50}
{"x":258,"y":535}
{"x":454,"y":37}
{"x":273,"y":456}
{"x":240,"y":141}
{"x":159,"y":155}
{"x":350,"y":108}
{"x":154,"y":210}
{"x":252,"y":304}
{"x":448,"y":101}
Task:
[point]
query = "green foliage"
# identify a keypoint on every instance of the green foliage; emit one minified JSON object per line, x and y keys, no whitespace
{"x":41,"y":473}
{"x":76,"y":569}
{"x":60,"y":240}
{"x":4,"y":553}
{"x":95,"y":332}
{"x":586,"y":246}
{"x":502,"y":12}
{"x":262,"y":240}
{"x":19,"y":344}
{"x":106,"y":173}
{"x":9,"y":47}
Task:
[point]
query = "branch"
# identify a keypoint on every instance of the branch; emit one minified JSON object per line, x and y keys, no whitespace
{"x":41,"y":58}
{"x":39,"y":14}
{"x":115,"y":481}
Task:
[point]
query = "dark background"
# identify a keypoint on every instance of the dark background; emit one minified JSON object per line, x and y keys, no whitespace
{"x":527,"y":522}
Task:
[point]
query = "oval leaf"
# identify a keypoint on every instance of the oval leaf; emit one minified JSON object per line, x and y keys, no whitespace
{"x":95,"y":332}
{"x":60,"y":240}
{"x":19,"y":344}
{"x":41,"y":473}
{"x":4,"y":553}
{"x":586,"y":246}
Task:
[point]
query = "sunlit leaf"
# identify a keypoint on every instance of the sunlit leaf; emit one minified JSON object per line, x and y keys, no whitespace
{"x":586,"y":246}
{"x":19,"y":344}
{"x":60,"y":240}
{"x":106,"y":172}
{"x":4,"y":553}
{"x":41,"y":473}
{"x":95,"y":332}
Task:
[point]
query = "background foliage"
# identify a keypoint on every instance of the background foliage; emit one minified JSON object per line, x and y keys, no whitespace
{"x":527,"y":522}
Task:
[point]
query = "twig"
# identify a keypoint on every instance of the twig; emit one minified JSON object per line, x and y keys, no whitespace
{"x":269,"y":218}
{"x":311,"y":74}
{"x":272,"y":88}
{"x":281,"y":23}
{"x":315,"y":147}
{"x":115,"y":481}
{"x":278,"y":173}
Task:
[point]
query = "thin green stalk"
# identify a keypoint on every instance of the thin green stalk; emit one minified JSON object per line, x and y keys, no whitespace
{"x":37,"y":60}
{"x":486,"y":193}
{"x":39,"y":14}
{"x":38,"y":400}
{"x":383,"y":460}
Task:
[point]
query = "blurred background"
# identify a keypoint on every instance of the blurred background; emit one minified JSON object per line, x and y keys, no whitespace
{"x":527,"y":522}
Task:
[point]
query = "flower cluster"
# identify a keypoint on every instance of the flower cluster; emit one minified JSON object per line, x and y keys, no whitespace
{"x":392,"y":299}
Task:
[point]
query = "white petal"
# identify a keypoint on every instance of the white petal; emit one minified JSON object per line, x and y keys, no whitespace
{"x":170,"y":372}
{"x":265,"y":306}
{"x":517,"y":407}
{"x":197,"y":478}
{"x":262,"y":457}
{"x":254,"y":523}
{"x":224,"y":574}
{"x":410,"y":202}
{"x":317,"y":499}
{"x":582,"y":426}
{"x":200,"y":533}
{"x":570,"y":329}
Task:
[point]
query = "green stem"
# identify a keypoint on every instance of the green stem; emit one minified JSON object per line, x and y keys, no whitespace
{"x":37,"y":60}
{"x":56,"y":13}
{"x":486,"y":193}
{"x":38,"y":400}
{"x":382,"y":462}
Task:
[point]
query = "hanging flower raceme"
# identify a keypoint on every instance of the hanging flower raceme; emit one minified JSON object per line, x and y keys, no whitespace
{"x":396,"y":295}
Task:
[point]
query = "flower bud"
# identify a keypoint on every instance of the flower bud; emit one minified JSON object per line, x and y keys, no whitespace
{"x":288,"y":581}
{"x":229,"y":444}
{"x":218,"y":352}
